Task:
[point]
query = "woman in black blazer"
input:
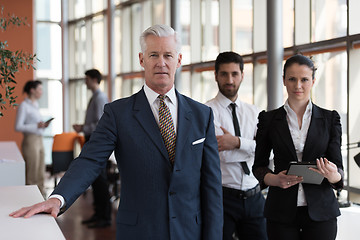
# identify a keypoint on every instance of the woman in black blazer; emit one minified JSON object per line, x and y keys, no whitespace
{"x":299,"y":131}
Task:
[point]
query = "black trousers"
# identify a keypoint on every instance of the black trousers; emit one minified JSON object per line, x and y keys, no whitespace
{"x":101,"y":195}
{"x":244,"y":217}
{"x":302,"y":228}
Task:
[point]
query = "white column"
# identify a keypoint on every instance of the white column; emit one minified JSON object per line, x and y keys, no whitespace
{"x":275,"y":53}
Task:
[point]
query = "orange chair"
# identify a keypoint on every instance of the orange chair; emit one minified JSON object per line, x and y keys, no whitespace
{"x":63,"y":151}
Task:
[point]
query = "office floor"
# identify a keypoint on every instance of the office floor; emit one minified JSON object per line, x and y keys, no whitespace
{"x":70,"y":222}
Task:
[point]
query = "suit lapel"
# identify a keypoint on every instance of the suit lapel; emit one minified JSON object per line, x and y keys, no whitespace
{"x":284,"y":132}
{"x":184,"y":124}
{"x":314,"y":134}
{"x":145,"y":117}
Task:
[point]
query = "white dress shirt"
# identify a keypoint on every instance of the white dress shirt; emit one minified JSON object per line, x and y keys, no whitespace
{"x":27,"y":118}
{"x":170,"y":101}
{"x":299,"y":137}
{"x":233,"y":175}
{"x":154,"y":101}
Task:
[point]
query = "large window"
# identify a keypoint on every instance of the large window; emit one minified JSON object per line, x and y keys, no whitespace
{"x":326,"y":29}
{"x":49,"y":67}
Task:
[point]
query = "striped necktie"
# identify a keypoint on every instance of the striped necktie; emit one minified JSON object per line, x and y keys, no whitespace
{"x":167,"y":129}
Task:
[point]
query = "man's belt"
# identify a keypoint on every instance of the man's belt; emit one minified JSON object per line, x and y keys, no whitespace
{"x":242,"y":194}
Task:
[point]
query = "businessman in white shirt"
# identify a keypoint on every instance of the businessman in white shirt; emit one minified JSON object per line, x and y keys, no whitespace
{"x":235,"y":127}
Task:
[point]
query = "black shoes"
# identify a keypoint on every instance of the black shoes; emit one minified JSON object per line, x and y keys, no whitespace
{"x":100,"y":224}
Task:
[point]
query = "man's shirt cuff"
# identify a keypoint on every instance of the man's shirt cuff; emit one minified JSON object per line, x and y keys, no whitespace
{"x":61,"y":199}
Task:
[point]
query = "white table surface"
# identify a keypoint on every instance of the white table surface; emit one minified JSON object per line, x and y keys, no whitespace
{"x":38,"y":227}
{"x":348,"y":223}
{"x":12,"y":165}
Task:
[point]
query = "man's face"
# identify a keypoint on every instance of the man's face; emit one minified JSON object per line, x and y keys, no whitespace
{"x":160,"y":62}
{"x":229,"y":78}
{"x":90,"y":82}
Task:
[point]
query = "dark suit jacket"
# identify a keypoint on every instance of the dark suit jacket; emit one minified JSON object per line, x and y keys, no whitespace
{"x":323,"y":140}
{"x":157,"y":201}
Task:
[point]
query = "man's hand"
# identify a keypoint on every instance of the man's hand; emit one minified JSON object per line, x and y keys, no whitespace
{"x":227,"y":141}
{"x":78,"y":127}
{"x":51,"y":206}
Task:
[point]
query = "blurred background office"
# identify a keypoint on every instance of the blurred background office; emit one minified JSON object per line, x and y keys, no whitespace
{"x":70,"y":36}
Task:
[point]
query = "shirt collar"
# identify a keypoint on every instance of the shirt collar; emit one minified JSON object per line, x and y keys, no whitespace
{"x":35,"y":103}
{"x":225,"y":102}
{"x":152,"y":96}
{"x":97,"y":91}
{"x":307,"y":110}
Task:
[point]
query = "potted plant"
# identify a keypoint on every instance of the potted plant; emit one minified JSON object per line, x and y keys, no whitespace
{"x":11,"y":62}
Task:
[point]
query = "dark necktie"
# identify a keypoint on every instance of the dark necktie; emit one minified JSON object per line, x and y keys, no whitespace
{"x":167,"y":129}
{"x":238,"y":133}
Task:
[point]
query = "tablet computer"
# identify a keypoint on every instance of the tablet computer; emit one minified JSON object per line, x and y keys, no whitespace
{"x":302,"y":169}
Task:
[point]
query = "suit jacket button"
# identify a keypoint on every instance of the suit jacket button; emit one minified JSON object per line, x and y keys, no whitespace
{"x":172,"y":193}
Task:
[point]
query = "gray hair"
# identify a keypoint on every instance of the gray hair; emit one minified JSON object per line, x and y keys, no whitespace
{"x":160,"y":31}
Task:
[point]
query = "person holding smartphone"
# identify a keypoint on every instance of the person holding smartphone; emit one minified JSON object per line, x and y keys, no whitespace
{"x":29,"y":122}
{"x":303,"y":132}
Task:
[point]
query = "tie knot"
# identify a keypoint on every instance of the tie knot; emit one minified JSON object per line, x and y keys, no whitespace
{"x":162,"y":97}
{"x":233,"y":106}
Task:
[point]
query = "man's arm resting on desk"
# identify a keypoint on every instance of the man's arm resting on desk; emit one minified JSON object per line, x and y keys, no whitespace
{"x":51,"y":206}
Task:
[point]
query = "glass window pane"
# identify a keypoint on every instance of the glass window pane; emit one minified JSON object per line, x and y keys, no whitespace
{"x":302,"y":21}
{"x":126,"y":42}
{"x":77,"y":49}
{"x":260,"y":85}
{"x":329,"y":19}
{"x":242,"y":22}
{"x":330,"y":89}
{"x":51,"y":106}
{"x":354,"y":17}
{"x":79,"y":98}
{"x":48,"y":10}
{"x":98,"y":5}
{"x":184,"y":85}
{"x":246,"y":88}
{"x":136,"y":30}
{"x":210,"y":25}
{"x":195,"y":31}
{"x":99,"y":56}
{"x":77,"y":9}
{"x":48,"y":50}
{"x":209,"y":86}
{"x":159,"y":12}
{"x":117,"y":41}
{"x":196,"y":86}
{"x":131,"y":86}
{"x":354,"y":116}
{"x":118,"y":87}
{"x":288,"y":23}
{"x":259,"y":35}
{"x":185,"y":31}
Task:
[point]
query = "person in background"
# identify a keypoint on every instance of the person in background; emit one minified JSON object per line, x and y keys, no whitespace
{"x":235,"y":128}
{"x":100,"y":187}
{"x":299,"y":131}
{"x":29,"y":122}
{"x":166,"y":152}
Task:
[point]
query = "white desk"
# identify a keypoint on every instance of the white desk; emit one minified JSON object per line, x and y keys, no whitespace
{"x":12,"y":165}
{"x":348,"y":223}
{"x":38,"y":227}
